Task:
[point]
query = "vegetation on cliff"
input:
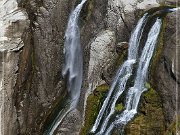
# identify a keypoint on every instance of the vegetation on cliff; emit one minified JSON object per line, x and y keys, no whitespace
{"x":94,"y":103}
{"x":150,"y":119}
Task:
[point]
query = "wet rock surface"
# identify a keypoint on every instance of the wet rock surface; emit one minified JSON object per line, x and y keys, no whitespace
{"x":32,"y":54}
{"x":150,"y":111}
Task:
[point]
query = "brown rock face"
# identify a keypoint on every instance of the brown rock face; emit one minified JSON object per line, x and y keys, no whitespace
{"x":122,"y":46}
{"x":31,"y":69}
{"x":39,"y":82}
{"x":168,"y":82}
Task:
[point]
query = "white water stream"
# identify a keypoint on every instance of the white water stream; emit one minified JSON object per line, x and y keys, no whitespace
{"x":121,"y":77}
{"x":135,"y":92}
{"x":73,"y":68}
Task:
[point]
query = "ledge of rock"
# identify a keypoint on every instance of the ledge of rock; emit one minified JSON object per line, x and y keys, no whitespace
{"x":101,"y":53}
{"x":121,"y":46}
{"x":147,"y":4}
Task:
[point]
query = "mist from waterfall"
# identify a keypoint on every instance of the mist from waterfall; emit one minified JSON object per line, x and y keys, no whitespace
{"x":134,"y":93}
{"x":120,"y":80}
{"x":73,"y":67}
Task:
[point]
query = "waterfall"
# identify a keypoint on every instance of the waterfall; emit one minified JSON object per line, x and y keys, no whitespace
{"x":121,"y":77}
{"x":135,"y":92}
{"x":73,"y":68}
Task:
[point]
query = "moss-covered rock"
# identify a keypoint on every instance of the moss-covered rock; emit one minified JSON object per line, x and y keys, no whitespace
{"x":94,"y":103}
{"x":119,"y":107}
{"x":150,"y":119}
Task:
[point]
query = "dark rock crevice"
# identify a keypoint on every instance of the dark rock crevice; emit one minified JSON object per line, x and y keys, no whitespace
{"x":167,"y":66}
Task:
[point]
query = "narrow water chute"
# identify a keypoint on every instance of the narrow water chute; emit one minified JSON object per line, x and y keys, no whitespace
{"x":123,"y":74}
{"x":73,"y":67}
{"x":135,"y":92}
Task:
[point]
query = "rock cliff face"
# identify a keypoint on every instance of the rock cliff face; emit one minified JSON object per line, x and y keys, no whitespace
{"x":167,"y":76}
{"x":31,"y":55}
{"x":13,"y":23}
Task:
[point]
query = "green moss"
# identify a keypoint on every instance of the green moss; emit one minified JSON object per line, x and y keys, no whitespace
{"x":152,"y":97}
{"x":119,"y":107}
{"x":150,"y":120}
{"x":94,"y":103}
{"x":102,"y":88}
{"x":147,"y":85}
{"x":95,"y":100}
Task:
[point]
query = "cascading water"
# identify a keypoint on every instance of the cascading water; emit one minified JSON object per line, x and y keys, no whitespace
{"x":73,"y":69}
{"x":173,"y":9}
{"x":135,"y":92}
{"x":121,"y":78}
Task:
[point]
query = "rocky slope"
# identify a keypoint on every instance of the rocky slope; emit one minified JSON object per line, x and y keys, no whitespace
{"x":31,"y":54}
